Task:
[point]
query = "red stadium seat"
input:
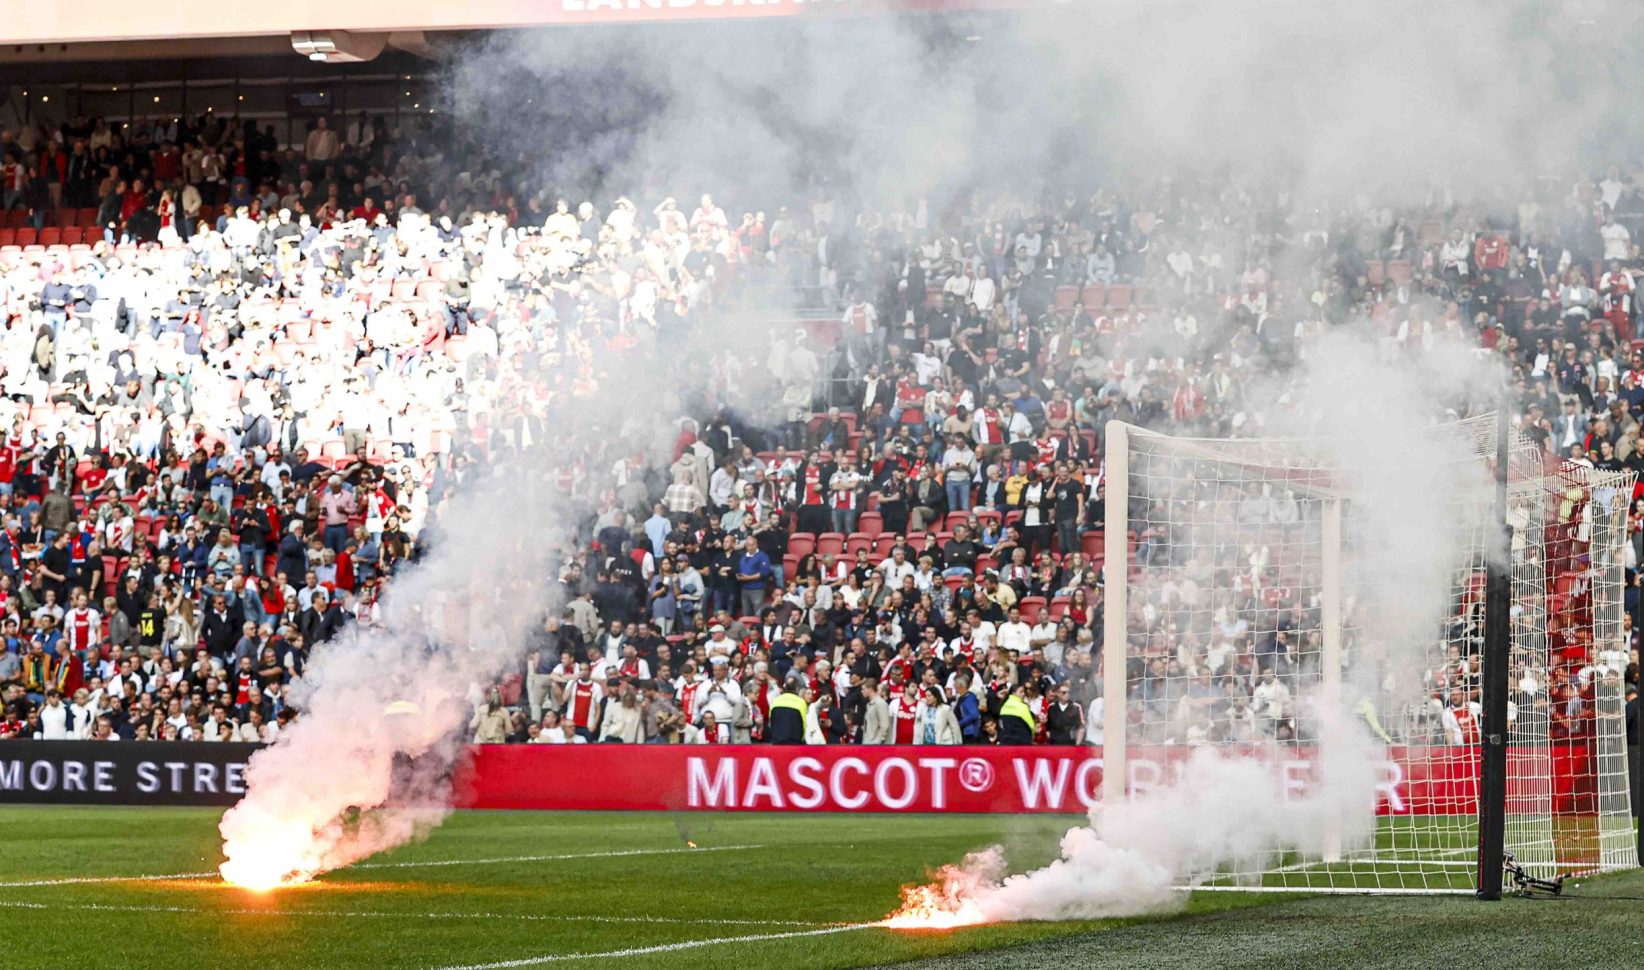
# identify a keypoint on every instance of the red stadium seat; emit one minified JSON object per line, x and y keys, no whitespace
{"x":858,"y":542}
{"x":1118,"y":296}
{"x":50,"y":236}
{"x":830,"y":543}
{"x":801,"y":544}
{"x":1066,"y":296}
{"x":1398,"y":270}
{"x":1095,"y":296}
{"x":1059,"y":607}
{"x":1031,"y":607}
{"x":870,"y":523}
{"x":884,"y":543}
{"x":27,"y":237}
{"x":954,"y":520}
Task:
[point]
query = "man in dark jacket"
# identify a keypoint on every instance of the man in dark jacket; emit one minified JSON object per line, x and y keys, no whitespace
{"x":221,"y":626}
{"x":293,"y":559}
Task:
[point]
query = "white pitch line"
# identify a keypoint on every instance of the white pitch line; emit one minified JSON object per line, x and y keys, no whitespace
{"x":80,"y":880}
{"x":76,"y":880}
{"x":373,"y":914}
{"x":552,"y":858}
{"x":660,"y":948}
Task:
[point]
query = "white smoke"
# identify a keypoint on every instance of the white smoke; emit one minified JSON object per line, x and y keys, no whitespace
{"x":1220,"y":813}
{"x":1374,"y":422}
{"x":1346,"y":99}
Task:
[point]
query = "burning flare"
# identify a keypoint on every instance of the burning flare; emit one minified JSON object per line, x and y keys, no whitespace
{"x":277,"y":856}
{"x":942,"y":905}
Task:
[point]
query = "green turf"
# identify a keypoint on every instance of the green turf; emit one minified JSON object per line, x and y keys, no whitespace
{"x":781,"y":874}
{"x":1599,"y":924}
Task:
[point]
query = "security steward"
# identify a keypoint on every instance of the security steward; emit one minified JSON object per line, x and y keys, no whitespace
{"x":1016,"y":724}
{"x":787,"y":724}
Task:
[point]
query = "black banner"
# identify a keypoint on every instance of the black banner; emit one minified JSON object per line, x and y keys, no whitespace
{"x":122,"y":772}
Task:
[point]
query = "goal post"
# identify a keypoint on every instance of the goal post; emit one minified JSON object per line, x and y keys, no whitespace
{"x":1244,"y":603}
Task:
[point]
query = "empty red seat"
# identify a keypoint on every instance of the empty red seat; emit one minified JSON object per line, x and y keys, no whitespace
{"x":801,"y":544}
{"x":870,"y":523}
{"x":50,"y":236}
{"x":27,"y":237}
{"x":1095,"y":296}
{"x":858,"y":542}
{"x":830,"y":543}
{"x":1118,"y":296}
{"x":1031,"y":607}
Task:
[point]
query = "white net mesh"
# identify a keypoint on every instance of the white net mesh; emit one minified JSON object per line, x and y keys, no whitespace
{"x":1260,"y":600}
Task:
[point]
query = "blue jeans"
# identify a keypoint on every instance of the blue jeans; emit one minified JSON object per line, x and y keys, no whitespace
{"x":251,"y":557}
{"x":958,"y":495}
{"x":336,"y":536}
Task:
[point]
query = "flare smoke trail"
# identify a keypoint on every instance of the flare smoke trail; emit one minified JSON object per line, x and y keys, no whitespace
{"x":1385,"y":102}
{"x":1233,"y":812}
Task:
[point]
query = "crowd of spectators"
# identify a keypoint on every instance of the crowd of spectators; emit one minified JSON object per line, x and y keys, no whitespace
{"x":240,"y":379}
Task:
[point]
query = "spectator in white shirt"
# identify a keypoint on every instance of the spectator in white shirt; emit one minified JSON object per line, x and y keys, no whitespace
{"x":1015,"y":635}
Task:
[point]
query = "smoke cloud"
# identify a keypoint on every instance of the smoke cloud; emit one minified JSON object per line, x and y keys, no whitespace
{"x":1364,"y":103}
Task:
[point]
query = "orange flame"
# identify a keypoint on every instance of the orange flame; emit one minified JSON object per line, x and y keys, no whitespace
{"x":279,"y":854}
{"x":262,"y":871}
{"x":941,"y":905}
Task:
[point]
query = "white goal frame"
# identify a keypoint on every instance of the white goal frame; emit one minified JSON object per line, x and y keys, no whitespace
{"x":1536,"y":491}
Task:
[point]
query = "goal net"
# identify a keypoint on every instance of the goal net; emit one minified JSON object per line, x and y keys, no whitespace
{"x":1274,"y":589}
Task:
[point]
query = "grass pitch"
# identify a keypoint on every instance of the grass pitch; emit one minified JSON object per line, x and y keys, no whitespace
{"x":527,"y":889}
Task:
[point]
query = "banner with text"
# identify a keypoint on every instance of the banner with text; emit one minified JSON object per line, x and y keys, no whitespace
{"x":123,"y":772}
{"x":1410,"y":781}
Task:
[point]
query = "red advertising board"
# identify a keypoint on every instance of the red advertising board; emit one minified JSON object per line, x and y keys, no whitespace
{"x":1412,"y":781}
